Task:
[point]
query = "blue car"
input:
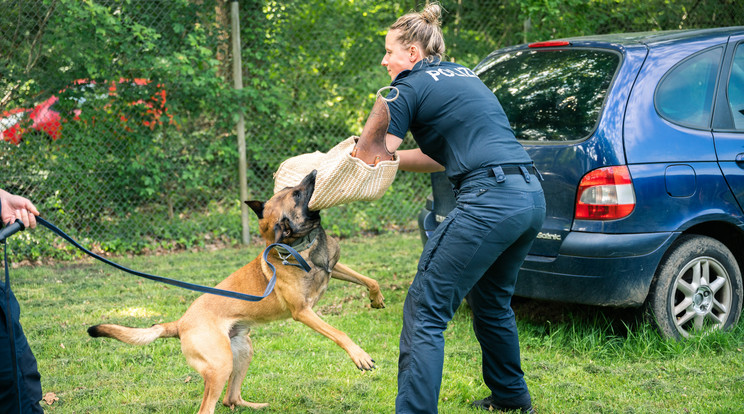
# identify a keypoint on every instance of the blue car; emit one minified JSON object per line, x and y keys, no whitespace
{"x":640,"y":140}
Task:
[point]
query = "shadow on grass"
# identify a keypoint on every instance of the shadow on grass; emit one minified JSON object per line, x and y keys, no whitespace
{"x":619,"y":321}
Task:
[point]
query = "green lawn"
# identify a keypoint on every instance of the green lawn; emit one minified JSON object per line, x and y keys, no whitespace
{"x":577,"y":359}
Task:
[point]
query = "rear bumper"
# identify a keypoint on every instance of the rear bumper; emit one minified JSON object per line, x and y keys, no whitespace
{"x":596,"y":269}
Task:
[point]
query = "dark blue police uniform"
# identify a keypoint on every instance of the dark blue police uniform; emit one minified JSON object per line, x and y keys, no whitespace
{"x":478,"y":249}
{"x":19,"y":393}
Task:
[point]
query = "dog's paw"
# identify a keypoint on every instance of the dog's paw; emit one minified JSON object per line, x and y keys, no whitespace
{"x":362,"y":360}
{"x":243,"y":403}
{"x":377,"y":303}
{"x":376,"y":300}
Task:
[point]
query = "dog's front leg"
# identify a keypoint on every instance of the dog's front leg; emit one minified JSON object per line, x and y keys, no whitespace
{"x":362,"y":360}
{"x":343,"y":272}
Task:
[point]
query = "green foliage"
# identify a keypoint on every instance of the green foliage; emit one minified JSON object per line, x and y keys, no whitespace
{"x":551,"y":19}
{"x":138,"y":159}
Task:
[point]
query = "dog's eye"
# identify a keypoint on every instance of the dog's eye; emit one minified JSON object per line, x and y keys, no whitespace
{"x":296,"y":194}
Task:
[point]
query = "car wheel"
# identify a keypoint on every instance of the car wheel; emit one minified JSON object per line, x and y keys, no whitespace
{"x":697,"y":288}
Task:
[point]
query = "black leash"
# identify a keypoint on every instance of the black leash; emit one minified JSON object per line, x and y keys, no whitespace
{"x":301,"y":263}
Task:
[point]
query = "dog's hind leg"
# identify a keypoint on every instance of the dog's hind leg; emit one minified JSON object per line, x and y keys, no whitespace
{"x":242,"y":350}
{"x":210,"y":355}
{"x":343,"y":272}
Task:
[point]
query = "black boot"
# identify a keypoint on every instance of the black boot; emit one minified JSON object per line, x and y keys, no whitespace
{"x":490,"y":404}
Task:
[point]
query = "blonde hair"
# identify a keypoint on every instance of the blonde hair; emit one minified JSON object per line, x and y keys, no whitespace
{"x":424,"y":28}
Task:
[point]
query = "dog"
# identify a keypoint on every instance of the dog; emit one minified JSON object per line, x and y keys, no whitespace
{"x":214,"y":331}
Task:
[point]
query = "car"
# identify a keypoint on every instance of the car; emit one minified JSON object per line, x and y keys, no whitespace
{"x":46,"y":117}
{"x":640,"y":140}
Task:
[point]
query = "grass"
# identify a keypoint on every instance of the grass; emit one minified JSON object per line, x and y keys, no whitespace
{"x":577,"y":359}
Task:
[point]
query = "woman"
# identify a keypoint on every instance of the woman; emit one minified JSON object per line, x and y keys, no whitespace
{"x":460,"y":128}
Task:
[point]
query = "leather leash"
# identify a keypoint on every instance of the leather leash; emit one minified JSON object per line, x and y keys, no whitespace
{"x":301,"y":263}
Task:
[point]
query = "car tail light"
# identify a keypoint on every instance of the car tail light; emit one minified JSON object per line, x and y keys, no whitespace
{"x":605,"y":194}
{"x":549,"y":43}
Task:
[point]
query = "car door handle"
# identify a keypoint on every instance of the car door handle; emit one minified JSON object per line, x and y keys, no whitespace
{"x":740,"y":158}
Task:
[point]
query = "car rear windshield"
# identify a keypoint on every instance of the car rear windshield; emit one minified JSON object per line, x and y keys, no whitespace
{"x":551,"y":95}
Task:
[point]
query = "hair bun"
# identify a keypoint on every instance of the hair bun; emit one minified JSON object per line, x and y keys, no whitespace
{"x":423,"y":28}
{"x":431,"y":13}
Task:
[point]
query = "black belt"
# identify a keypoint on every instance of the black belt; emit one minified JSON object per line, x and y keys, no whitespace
{"x":500,"y":172}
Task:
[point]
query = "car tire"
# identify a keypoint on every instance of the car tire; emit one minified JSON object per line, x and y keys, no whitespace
{"x":697,"y":287}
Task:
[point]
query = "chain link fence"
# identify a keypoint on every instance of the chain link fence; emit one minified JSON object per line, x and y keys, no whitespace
{"x":119,"y":116}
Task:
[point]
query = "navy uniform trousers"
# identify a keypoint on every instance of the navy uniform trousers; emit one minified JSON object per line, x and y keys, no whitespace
{"x":476,"y":251}
{"x":24,"y":396}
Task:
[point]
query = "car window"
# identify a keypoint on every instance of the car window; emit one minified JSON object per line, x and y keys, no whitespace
{"x":735,"y":89}
{"x":685,"y":94}
{"x":552,"y":95}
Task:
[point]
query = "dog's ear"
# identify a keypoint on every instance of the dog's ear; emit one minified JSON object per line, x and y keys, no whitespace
{"x":257,"y":207}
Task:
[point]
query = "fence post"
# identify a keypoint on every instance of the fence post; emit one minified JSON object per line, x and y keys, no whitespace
{"x":238,"y":84}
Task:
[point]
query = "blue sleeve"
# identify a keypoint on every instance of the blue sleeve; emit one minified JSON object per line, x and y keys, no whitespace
{"x":402,"y":110}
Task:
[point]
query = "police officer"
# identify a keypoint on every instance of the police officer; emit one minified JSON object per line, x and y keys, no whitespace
{"x":460,"y":128}
{"x":20,"y":382}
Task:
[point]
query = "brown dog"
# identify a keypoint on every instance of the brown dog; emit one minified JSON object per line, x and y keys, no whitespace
{"x":214,"y":330}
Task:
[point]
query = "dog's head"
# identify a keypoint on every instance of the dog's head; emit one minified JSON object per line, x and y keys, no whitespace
{"x":286,"y":217}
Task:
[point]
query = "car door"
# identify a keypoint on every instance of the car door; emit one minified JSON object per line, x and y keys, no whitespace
{"x":728,"y":120}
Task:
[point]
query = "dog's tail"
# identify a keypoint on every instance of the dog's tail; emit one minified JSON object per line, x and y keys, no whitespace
{"x":135,"y":336}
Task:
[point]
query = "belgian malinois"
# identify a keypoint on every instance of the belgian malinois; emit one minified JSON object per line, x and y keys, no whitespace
{"x":214,"y":331}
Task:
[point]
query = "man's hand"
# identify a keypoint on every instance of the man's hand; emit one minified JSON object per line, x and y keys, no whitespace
{"x":17,"y":208}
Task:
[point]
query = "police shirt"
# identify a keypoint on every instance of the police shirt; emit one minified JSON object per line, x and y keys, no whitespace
{"x":454,"y":118}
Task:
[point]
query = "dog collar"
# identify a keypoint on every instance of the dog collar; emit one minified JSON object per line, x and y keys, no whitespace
{"x":302,"y":243}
